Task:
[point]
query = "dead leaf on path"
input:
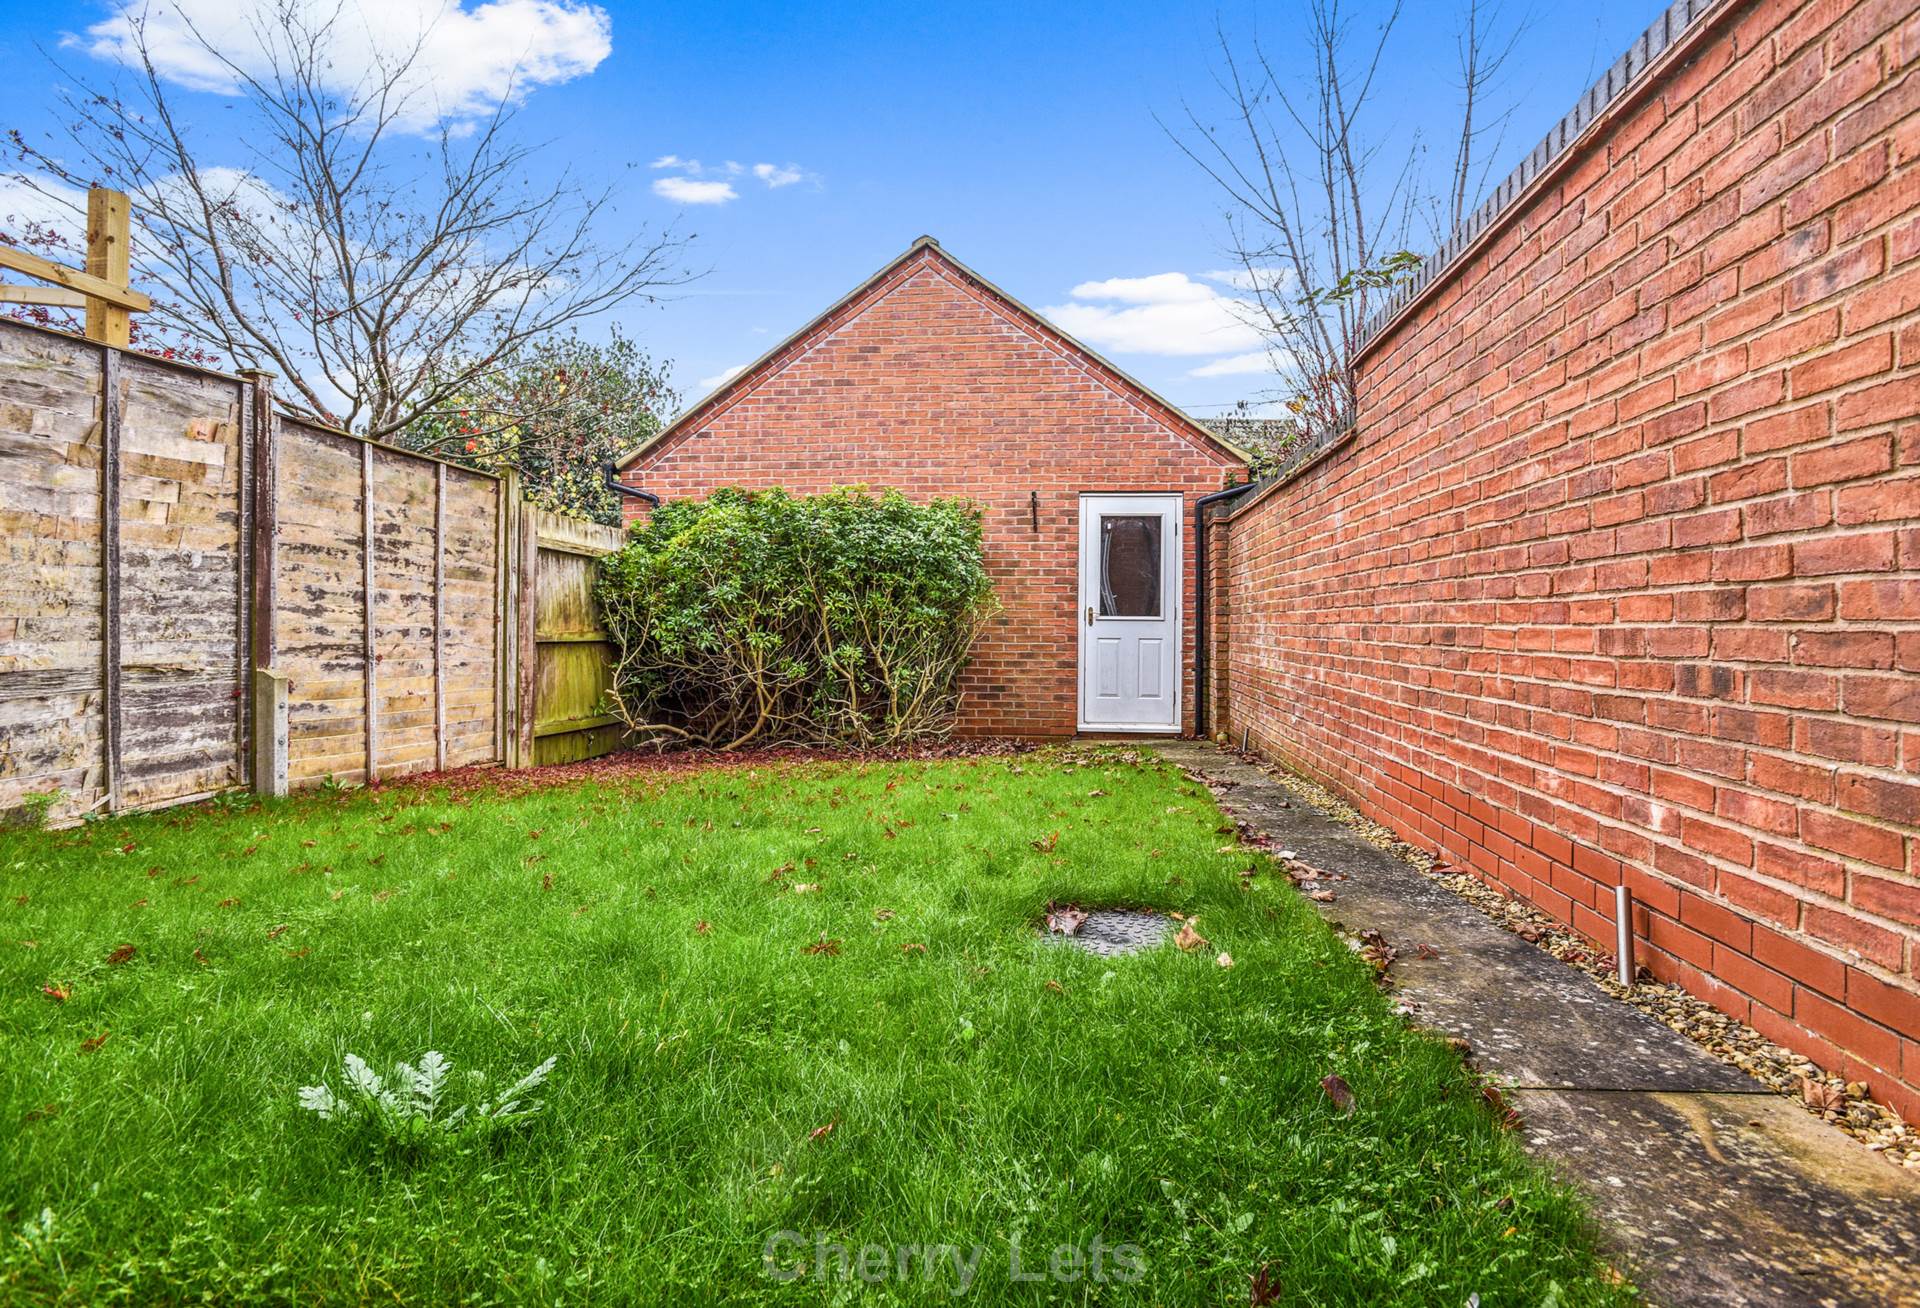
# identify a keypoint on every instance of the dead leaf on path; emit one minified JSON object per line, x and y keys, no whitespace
{"x":1065,"y":919}
{"x":1821,"y":1097}
{"x":913,"y":947}
{"x":58,"y":994}
{"x":1321,"y":896}
{"x":823,"y":946}
{"x":88,"y":1046}
{"x":1424,"y":950}
{"x":121,"y":955}
{"x":1338,"y":1091}
{"x":1375,"y":949}
{"x":1188,"y":938}
{"x":822,"y":1132}
{"x":702,"y":927}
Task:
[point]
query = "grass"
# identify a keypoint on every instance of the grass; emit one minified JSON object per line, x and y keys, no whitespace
{"x":992,"y":1091}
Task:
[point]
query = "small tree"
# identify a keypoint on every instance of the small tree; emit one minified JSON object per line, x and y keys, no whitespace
{"x":1318,"y":221}
{"x":380,"y":267}
{"x":557,"y":412}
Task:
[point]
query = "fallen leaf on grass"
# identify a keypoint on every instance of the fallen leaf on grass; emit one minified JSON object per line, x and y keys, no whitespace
{"x":58,"y":994}
{"x":1338,"y":1090}
{"x":1188,"y":938}
{"x":546,"y":882}
{"x":1376,"y":950}
{"x":1065,"y":919}
{"x":44,"y":1113}
{"x":913,"y":947}
{"x":805,"y":887}
{"x":138,"y":903}
{"x":121,"y":955}
{"x":1056,"y":987}
{"x":1266,"y":1290}
{"x":823,"y":946}
{"x":1046,"y":844}
{"x":229,"y":903}
{"x":822,"y":1132}
{"x":1509,"y":1119}
{"x":275,"y":932}
{"x":883,"y":915}
{"x":88,"y":1046}
{"x":1225,"y":959}
{"x":702,"y":927}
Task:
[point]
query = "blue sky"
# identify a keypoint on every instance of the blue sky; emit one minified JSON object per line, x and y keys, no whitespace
{"x":1022,"y":135}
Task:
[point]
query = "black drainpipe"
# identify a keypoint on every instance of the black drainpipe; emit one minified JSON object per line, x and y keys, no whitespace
{"x":612,"y":483}
{"x":1200,"y":588}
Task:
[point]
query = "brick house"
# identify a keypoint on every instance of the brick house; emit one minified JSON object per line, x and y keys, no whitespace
{"x":928,"y":378}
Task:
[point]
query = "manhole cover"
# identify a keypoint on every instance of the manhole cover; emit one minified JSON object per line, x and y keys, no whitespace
{"x":1110,"y":931}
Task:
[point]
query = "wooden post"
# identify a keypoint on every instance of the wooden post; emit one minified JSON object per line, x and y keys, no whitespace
{"x":268,"y":702}
{"x":368,"y":612}
{"x":508,"y":712}
{"x":110,"y":258}
{"x":502,"y":620}
{"x":527,"y":642}
{"x":439,"y":617}
{"x":110,"y":415}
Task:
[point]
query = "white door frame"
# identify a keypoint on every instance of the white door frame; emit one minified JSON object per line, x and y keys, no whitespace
{"x":1171,"y":506}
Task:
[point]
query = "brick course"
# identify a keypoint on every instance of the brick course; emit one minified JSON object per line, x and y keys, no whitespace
{"x":930,"y":381}
{"x":1620,"y":575}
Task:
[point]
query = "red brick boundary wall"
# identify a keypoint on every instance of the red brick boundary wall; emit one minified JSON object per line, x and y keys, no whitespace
{"x":1619,"y":576}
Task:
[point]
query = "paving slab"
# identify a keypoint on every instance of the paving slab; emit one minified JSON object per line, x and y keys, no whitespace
{"x":1714,"y":1188}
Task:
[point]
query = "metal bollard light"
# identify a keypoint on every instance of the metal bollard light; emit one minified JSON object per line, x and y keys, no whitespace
{"x":1623,"y":932}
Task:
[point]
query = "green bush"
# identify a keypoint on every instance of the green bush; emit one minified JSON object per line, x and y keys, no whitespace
{"x":761,"y":617}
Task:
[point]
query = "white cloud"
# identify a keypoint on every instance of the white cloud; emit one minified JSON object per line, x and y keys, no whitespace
{"x":1236,"y":365}
{"x":776,"y":176}
{"x":722,"y":377}
{"x":1165,"y":314}
{"x":700,"y":183}
{"x":685,"y":190}
{"x":472,"y":56}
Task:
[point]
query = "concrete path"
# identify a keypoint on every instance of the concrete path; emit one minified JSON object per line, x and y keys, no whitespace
{"x":1712,"y":1189}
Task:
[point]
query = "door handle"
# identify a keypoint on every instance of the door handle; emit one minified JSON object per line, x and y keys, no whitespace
{"x":1089,"y":615}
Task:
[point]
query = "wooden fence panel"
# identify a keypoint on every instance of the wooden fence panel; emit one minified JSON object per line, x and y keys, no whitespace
{"x":51,"y":671}
{"x":404,"y":501}
{"x":320,"y":641}
{"x":180,"y":560}
{"x":472,"y":613}
{"x":181,"y":603}
{"x":573,"y":659}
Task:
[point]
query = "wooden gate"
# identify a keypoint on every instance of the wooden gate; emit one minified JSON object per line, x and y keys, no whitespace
{"x":568,"y":678}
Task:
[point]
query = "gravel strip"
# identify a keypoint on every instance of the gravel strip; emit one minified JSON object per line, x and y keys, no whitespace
{"x":1828,"y":1097}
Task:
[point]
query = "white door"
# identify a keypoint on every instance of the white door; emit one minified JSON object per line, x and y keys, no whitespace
{"x":1129,"y":616}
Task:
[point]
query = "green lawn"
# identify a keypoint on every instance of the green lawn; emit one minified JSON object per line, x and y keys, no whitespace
{"x":992,"y":1091}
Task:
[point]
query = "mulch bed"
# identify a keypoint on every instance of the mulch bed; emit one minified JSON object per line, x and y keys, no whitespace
{"x":639,"y":764}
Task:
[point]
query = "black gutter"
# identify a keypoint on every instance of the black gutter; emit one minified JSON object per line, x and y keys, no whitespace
{"x":612,"y":483}
{"x":1200,"y":588}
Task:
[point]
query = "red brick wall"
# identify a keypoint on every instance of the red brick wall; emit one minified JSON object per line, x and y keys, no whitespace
{"x":1621,"y":575}
{"x":930,"y":383}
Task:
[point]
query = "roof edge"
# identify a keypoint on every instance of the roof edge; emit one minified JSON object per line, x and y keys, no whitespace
{"x":1180,"y":417}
